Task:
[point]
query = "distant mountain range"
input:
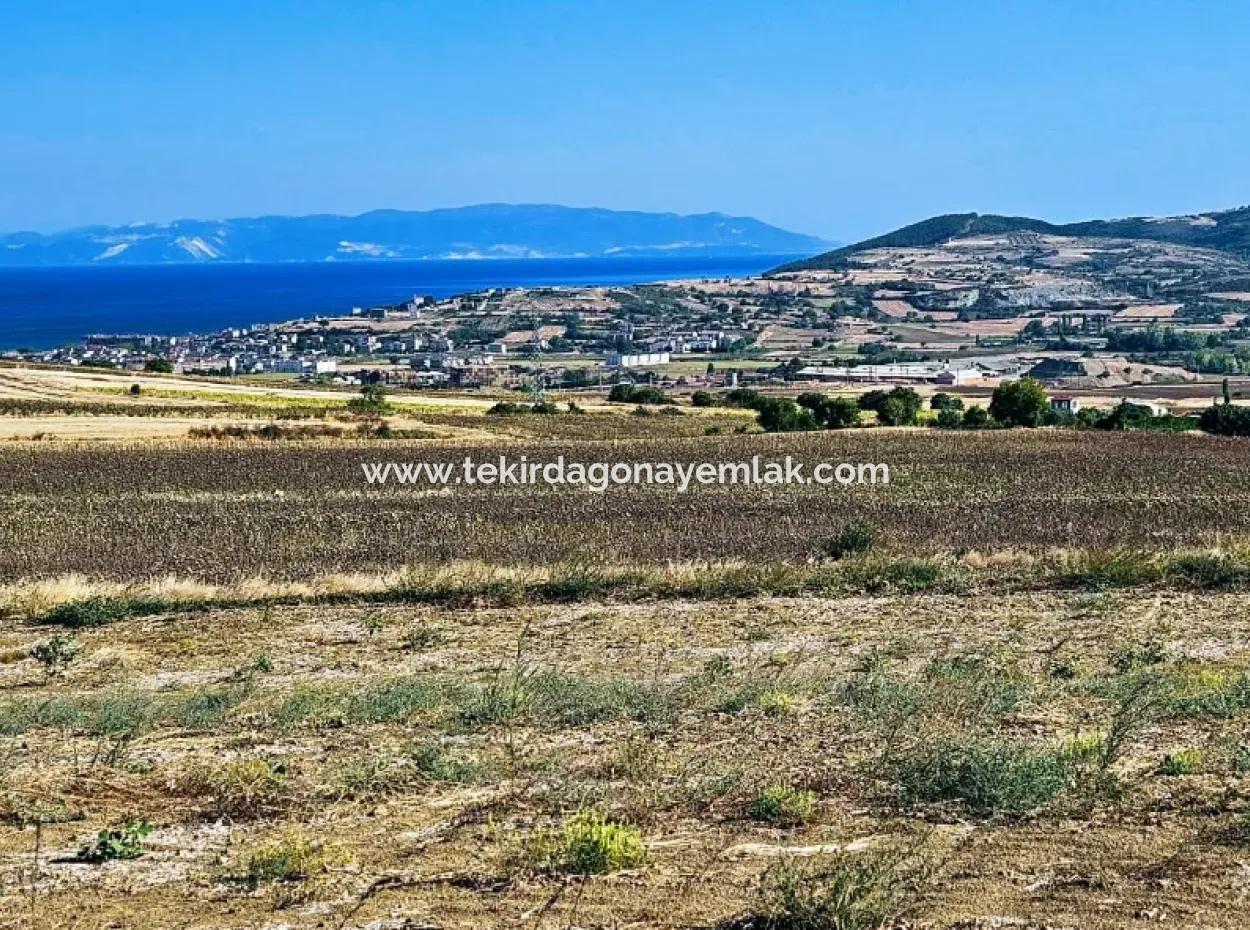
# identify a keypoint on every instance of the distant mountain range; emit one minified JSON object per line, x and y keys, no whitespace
{"x":485,"y":231}
{"x":1226,"y":230}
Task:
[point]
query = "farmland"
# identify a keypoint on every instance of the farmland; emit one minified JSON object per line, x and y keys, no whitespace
{"x":240,"y":686}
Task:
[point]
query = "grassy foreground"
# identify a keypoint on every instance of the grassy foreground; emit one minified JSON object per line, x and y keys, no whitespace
{"x":1061,"y":758}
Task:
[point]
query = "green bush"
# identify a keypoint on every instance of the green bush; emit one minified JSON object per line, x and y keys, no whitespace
{"x":89,"y":612}
{"x":830,"y":412}
{"x":1225,"y":420}
{"x":55,"y":655}
{"x":941,"y":401}
{"x":505,"y":408}
{"x":1182,"y":762}
{"x":703,"y":399}
{"x":124,"y":842}
{"x":856,"y":537}
{"x":782,"y":806}
{"x":589,"y":844}
{"x":638,"y":394}
{"x":289,"y":858}
{"x":897,"y":407}
{"x":976,"y":417}
{"x":853,"y":891}
{"x":983,"y":775}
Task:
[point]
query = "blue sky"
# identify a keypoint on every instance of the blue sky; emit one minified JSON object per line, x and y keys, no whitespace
{"x":841,"y":119}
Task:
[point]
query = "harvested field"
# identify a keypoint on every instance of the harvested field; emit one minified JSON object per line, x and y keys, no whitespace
{"x":220,"y":511}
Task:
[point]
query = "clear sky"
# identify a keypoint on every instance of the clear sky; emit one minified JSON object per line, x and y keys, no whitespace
{"x":841,"y":119}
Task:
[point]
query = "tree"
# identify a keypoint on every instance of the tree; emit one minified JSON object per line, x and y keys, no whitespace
{"x":1226,"y":420}
{"x":782,"y":415}
{"x":949,"y":419}
{"x":897,"y":407}
{"x":371,"y":402}
{"x":159,"y":365}
{"x":940,"y":401}
{"x":976,"y":417}
{"x":830,"y":412}
{"x":703,"y":399}
{"x":1020,"y":403}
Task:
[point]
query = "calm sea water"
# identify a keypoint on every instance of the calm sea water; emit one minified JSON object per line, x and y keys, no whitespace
{"x":47,"y":307}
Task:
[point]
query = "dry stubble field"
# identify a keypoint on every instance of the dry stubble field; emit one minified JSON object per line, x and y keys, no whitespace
{"x":969,"y":724}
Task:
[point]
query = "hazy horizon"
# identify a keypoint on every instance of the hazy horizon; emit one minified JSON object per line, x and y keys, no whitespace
{"x":839,"y":121}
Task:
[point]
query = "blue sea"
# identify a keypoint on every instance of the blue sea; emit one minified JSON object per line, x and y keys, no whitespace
{"x":47,"y":307}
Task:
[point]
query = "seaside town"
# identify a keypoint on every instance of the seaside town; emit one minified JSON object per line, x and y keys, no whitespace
{"x":964,"y":316}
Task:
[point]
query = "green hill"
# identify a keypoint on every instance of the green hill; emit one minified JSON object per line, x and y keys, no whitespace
{"x":1227,"y":230}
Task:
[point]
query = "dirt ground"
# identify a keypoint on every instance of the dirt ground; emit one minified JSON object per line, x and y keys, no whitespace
{"x":165,"y":706}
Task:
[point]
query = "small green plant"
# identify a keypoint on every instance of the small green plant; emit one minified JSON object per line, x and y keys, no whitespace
{"x":856,"y":537}
{"x":424,"y":637}
{"x":1182,"y":762}
{"x":246,"y":787}
{"x":291,"y":857}
{"x":776,"y":703}
{"x":983,"y":775}
{"x":123,"y":842}
{"x":853,"y":891}
{"x":372,"y":622}
{"x":55,"y":655}
{"x":589,"y":844}
{"x":434,"y":762}
{"x":1142,"y":655}
{"x":782,"y":806}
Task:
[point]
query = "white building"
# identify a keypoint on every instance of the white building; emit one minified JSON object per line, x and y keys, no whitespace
{"x":636,"y":360}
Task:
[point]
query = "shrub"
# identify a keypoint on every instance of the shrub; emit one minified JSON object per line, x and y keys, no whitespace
{"x":371,"y":402}
{"x":856,"y":537}
{"x":1113,"y":568}
{"x":505,"y":408}
{"x":291,"y":857}
{"x":433,"y":762}
{"x":747,"y":398}
{"x":830,"y":412}
{"x":124,"y":842}
{"x":949,"y":419}
{"x":941,"y":401}
{"x":55,"y":655}
{"x":89,"y":612}
{"x":782,"y":806}
{"x":854,"y":891}
{"x":1225,"y":420}
{"x":976,"y":417}
{"x":1182,"y":762}
{"x":638,"y":394}
{"x":1020,"y":403}
{"x":1209,"y":570}
{"x":424,"y":636}
{"x":589,"y":844}
{"x":774,"y":702}
{"x":703,"y":399}
{"x":983,"y":775}
{"x":248,"y":787}
{"x":1138,"y":656}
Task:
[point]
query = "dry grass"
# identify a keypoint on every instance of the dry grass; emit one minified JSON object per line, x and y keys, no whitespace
{"x":346,"y":778}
